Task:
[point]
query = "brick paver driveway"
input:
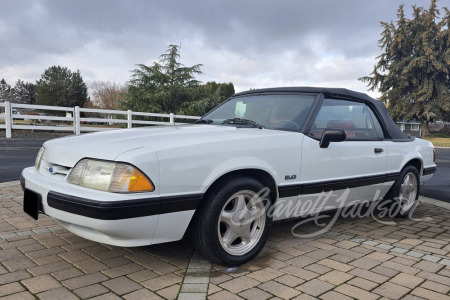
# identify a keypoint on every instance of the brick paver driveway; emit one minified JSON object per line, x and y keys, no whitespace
{"x":356,"y":258}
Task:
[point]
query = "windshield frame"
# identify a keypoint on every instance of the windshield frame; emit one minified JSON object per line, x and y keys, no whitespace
{"x":317,"y":97}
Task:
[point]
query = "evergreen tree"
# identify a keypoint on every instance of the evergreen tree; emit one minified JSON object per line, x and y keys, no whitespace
{"x":60,"y":86}
{"x":6,"y":92}
{"x":206,"y":98}
{"x":24,"y":92}
{"x":169,"y":86}
{"x":163,"y":87}
{"x":413,"y":71}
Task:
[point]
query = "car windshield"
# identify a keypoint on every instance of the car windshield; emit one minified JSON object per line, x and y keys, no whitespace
{"x":280,"y":112}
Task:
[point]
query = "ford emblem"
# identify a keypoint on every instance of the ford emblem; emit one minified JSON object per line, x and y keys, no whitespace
{"x":50,"y":170}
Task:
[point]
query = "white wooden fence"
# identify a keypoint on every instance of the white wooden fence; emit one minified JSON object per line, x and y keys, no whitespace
{"x":75,"y":123}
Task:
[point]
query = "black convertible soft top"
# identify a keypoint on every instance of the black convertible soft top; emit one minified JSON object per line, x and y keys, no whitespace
{"x":338,"y":93}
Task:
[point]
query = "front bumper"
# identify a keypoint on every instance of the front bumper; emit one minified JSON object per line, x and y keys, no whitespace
{"x":116,"y":219}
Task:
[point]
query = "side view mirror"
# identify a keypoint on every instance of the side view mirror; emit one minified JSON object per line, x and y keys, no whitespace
{"x":332,"y":135}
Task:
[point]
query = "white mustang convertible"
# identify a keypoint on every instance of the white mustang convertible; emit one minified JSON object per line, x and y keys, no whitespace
{"x":260,"y":156}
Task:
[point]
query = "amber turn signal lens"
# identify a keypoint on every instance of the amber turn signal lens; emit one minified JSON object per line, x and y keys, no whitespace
{"x":139,"y":182}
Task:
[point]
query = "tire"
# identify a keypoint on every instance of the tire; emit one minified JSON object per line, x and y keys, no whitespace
{"x":231,"y":226}
{"x":404,"y":194}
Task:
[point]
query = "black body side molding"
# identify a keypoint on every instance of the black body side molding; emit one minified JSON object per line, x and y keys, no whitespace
{"x":428,"y":171}
{"x":335,"y":185}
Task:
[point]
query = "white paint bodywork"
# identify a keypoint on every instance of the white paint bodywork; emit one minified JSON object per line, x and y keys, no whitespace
{"x":187,"y":160}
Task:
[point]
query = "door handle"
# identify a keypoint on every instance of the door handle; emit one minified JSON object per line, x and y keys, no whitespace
{"x":378,"y":150}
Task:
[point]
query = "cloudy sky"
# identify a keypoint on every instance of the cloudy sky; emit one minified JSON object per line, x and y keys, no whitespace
{"x":251,"y":43}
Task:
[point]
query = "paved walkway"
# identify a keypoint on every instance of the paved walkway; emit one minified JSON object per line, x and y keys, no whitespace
{"x":357,"y":258}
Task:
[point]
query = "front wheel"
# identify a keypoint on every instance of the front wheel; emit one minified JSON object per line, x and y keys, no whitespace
{"x":405,"y":192}
{"x":232,"y":225}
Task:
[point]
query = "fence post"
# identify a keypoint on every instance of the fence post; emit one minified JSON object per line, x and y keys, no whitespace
{"x":76,"y":120}
{"x":8,"y":119}
{"x":172,"y":119}
{"x":130,"y":119}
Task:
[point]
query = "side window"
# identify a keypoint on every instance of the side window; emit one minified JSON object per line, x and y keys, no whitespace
{"x":357,"y":119}
{"x":376,"y":123}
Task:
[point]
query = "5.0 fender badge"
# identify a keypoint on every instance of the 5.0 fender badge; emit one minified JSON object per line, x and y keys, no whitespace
{"x":290,"y":177}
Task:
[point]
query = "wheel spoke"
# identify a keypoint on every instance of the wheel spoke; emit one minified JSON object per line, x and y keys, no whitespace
{"x":226,"y":217}
{"x":254,"y":200}
{"x":404,"y":191}
{"x":255,"y":212}
{"x":246,"y":237}
{"x":240,"y":203}
{"x":229,"y":237}
{"x":406,"y":180}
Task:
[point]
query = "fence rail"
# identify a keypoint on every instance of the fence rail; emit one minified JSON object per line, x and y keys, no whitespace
{"x":74,"y":121}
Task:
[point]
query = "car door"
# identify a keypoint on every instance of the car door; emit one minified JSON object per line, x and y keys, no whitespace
{"x":343,"y":173}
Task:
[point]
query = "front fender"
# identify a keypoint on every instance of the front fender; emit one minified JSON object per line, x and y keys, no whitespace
{"x":235,"y":164}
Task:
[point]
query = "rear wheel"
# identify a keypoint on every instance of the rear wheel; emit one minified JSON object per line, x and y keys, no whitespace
{"x":405,"y":192}
{"x":232,"y":225}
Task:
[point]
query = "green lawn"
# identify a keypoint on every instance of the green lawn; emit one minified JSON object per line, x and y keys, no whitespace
{"x":439,"y":140}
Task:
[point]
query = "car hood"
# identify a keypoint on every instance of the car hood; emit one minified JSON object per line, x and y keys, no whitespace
{"x":108,"y":145}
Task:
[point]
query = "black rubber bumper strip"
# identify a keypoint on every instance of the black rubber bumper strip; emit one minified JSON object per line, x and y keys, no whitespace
{"x":335,"y":185}
{"x":123,"y":209}
{"x":428,"y":171}
{"x":22,"y":182}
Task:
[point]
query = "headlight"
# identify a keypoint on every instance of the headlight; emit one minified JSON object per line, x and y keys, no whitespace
{"x":109,"y":176}
{"x":37,"y":163}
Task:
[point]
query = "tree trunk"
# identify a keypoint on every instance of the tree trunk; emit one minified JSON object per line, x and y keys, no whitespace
{"x":424,"y":128}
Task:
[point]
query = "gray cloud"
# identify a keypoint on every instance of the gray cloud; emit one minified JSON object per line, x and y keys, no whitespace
{"x":251,"y":43}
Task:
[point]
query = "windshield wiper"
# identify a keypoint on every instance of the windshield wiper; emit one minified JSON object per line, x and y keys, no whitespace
{"x":207,"y":121}
{"x":239,"y":121}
